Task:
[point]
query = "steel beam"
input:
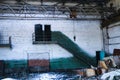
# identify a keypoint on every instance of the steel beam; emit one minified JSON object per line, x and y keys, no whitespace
{"x":29,"y":9}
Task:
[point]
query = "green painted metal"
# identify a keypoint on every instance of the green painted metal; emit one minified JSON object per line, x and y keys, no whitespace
{"x":15,"y":63}
{"x":66,"y":63}
{"x":84,"y":59}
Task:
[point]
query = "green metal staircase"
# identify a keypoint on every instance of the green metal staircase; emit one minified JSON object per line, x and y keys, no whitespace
{"x":80,"y":60}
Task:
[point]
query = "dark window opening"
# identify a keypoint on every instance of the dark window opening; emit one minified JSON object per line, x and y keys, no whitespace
{"x":38,"y":32}
{"x":41,"y":35}
{"x":47,"y":32}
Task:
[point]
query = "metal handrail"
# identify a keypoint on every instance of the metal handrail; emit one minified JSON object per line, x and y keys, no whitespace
{"x":44,"y":38}
{"x":43,"y":41}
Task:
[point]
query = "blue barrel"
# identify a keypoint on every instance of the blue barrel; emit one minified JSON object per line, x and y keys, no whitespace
{"x":99,"y":56}
{"x":102,"y":55}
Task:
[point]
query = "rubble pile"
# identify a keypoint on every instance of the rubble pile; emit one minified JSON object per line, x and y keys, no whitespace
{"x":108,"y":68}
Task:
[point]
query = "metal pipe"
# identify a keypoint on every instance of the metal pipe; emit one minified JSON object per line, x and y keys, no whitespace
{"x":114,"y":25}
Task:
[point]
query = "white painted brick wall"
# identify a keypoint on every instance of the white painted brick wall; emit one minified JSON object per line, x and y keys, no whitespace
{"x":88,"y":37}
{"x":113,"y":32}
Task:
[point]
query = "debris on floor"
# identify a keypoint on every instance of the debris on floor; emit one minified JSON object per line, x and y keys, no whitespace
{"x":111,"y":75}
{"x":108,"y":68}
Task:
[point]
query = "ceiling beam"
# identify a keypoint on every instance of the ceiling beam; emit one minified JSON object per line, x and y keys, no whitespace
{"x":66,"y":1}
{"x":110,"y":20}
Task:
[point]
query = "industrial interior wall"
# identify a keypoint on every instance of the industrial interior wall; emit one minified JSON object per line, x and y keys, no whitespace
{"x":114,"y":36}
{"x":87,"y":32}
